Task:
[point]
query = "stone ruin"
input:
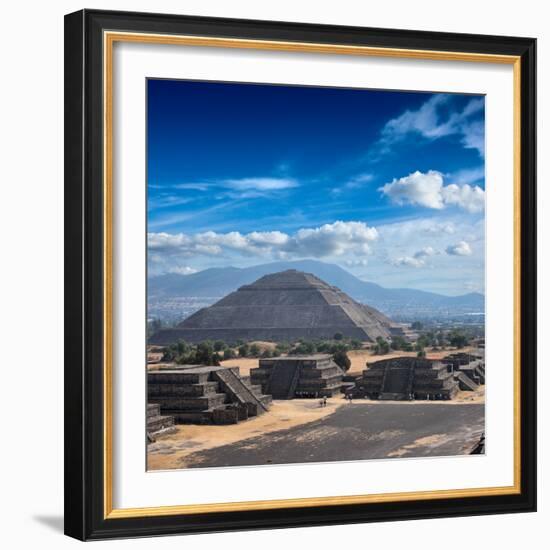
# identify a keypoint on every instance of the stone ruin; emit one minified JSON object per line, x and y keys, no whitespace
{"x":406,"y":378}
{"x":298,"y":376}
{"x":205,"y":395}
{"x":467,"y":368}
{"x":157,"y":424}
{"x":284,"y":306}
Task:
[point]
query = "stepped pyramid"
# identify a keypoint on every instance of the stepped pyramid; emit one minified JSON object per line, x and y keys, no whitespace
{"x":198,"y":394}
{"x":282,"y":306}
{"x":403,"y":378}
{"x":298,"y":376}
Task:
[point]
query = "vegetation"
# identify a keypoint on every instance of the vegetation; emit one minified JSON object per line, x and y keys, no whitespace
{"x":399,"y":343}
{"x":381,"y":347}
{"x":307,"y":347}
{"x":342,"y":360}
{"x":184,"y":353}
{"x":244,"y":350}
{"x":458,"y":338}
{"x":229,"y":353}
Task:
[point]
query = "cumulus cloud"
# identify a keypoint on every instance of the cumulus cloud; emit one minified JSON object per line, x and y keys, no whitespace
{"x":427,"y":189}
{"x":335,"y":239}
{"x":407,"y":261}
{"x":461,"y":248}
{"x":418,"y":259}
{"x":465,"y":196}
{"x":432,"y":120}
{"x":425,"y":252}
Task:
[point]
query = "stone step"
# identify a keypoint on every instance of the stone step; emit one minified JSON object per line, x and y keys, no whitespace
{"x":182,"y":390}
{"x":392,"y":396}
{"x":195,"y":417}
{"x":239,"y":392}
{"x":153,"y":409}
{"x":157,"y":423}
{"x":185,"y":404}
{"x":465,"y":383}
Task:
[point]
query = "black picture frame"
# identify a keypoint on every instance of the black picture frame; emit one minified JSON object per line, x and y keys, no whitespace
{"x":85,"y":517}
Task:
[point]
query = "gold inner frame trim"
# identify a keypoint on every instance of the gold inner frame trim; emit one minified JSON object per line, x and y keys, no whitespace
{"x":109,"y":39}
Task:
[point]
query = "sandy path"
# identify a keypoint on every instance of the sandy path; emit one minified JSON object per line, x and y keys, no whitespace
{"x":170,"y":452}
{"x":358,"y":432}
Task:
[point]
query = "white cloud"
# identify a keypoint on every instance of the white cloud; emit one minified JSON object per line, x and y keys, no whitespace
{"x":242,"y":187}
{"x":432,"y":122}
{"x":332,"y":239}
{"x":462,"y":248}
{"x":427,"y":189}
{"x":408,"y":261}
{"x":182,"y":270}
{"x":418,"y":259}
{"x":445,"y":227}
{"x":416,"y":188}
{"x":354,"y":183}
{"x":425,"y":252}
{"x":470,"y":198}
{"x":335,"y":239}
{"x":260,"y":184}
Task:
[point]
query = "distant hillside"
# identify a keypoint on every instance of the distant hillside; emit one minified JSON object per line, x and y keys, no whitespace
{"x":214,"y":283}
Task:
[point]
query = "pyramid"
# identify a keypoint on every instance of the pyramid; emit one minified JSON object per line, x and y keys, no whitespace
{"x":283,"y":306}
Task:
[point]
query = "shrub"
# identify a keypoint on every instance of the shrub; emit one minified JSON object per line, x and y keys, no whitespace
{"x":342,"y":360}
{"x":244,"y":350}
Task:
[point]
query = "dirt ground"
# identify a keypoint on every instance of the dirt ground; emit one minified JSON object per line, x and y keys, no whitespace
{"x":170,"y":451}
{"x":176,"y":450}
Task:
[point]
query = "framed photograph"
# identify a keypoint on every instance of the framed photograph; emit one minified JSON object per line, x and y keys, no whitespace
{"x":300,"y":274}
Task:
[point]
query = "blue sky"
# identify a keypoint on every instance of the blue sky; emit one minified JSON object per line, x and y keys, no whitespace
{"x":389,"y":185}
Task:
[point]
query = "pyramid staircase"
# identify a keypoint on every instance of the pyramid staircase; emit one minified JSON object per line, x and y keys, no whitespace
{"x":298,"y":376}
{"x":403,"y":378}
{"x":241,"y":393}
{"x":397,"y":383}
{"x":465,"y":382}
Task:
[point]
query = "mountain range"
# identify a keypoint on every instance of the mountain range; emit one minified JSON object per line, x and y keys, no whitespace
{"x":399,"y":303}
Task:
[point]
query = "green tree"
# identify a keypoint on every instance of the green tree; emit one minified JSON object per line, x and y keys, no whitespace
{"x":398,"y":343}
{"x":417,"y":325}
{"x":255,"y":350}
{"x":338,"y":336}
{"x":282,"y":347}
{"x":204,"y":354}
{"x":382,"y":346}
{"x":342,"y":360}
{"x":244,"y":350}
{"x":219,"y":345}
{"x":229,"y":353}
{"x":458,"y":339}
